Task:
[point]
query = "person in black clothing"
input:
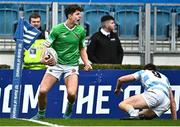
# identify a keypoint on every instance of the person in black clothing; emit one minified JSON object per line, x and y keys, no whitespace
{"x":104,"y":46}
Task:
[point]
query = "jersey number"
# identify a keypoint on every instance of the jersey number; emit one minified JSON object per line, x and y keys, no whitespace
{"x":156,"y":74}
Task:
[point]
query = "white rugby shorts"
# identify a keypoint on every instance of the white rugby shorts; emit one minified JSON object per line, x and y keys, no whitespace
{"x":157,"y":101}
{"x":59,"y":69}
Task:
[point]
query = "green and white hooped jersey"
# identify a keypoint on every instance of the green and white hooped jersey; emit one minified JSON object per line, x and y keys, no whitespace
{"x":67,"y":43}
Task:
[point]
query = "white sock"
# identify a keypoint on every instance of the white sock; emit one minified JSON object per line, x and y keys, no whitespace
{"x":133,"y":112}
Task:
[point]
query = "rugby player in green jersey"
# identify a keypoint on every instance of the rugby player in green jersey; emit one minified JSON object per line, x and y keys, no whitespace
{"x":68,"y":40}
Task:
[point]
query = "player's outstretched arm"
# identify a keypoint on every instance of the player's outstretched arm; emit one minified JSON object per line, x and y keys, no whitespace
{"x":120,"y":82}
{"x":172,"y":105}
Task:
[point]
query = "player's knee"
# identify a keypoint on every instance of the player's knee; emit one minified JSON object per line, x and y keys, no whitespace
{"x":71,"y":93}
{"x":121,"y":105}
{"x":43,"y":91}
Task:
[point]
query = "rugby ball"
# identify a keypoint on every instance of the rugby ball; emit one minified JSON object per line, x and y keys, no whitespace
{"x":51,"y":53}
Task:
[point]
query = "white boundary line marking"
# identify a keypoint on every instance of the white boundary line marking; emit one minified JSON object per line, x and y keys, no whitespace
{"x":41,"y":122}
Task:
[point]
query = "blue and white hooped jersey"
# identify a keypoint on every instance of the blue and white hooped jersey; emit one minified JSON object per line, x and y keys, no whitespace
{"x":153,"y":80}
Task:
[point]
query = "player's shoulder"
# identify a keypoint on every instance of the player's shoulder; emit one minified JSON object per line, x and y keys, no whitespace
{"x":137,"y":75}
{"x":58,"y":26}
{"x":140,"y":72}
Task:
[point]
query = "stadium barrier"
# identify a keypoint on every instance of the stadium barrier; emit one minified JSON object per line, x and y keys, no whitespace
{"x":95,"y":98}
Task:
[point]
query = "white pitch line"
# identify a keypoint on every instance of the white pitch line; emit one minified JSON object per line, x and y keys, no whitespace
{"x":41,"y":122}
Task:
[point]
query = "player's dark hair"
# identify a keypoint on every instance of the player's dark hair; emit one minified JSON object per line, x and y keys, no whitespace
{"x":150,"y":66}
{"x":34,"y":15}
{"x":71,"y":9}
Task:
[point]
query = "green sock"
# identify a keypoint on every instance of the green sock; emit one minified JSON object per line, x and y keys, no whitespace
{"x":70,"y":104}
{"x":69,"y":108}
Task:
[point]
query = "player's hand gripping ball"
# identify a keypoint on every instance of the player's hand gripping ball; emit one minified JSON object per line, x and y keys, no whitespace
{"x":50,"y":57}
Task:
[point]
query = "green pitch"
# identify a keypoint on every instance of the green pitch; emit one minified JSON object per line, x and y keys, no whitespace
{"x":91,"y":122}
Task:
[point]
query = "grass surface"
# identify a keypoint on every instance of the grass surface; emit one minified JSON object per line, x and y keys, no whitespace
{"x":92,"y":122}
{"x":15,"y":122}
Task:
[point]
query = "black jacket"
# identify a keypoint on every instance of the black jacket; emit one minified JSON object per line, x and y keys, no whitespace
{"x":105,"y":50}
{"x":42,"y":35}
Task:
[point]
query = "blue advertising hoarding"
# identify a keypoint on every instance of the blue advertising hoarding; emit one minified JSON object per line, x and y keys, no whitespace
{"x":95,"y":98}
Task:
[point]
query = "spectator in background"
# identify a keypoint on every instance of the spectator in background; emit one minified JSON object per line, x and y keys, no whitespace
{"x":105,"y":46}
{"x":156,"y":99}
{"x":33,"y":55}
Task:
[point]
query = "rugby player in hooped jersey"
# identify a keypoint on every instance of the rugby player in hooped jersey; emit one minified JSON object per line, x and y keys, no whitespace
{"x":67,"y":39}
{"x":156,"y":99}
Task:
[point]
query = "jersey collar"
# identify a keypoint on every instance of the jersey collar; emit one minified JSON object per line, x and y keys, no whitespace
{"x":68,"y":27}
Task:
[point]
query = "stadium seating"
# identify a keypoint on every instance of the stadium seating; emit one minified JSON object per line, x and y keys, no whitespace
{"x":127,"y":19}
{"x":163,"y":22}
{"x":178,"y":22}
{"x":39,"y":8}
{"x":61,"y":15}
{"x":92,"y":17}
{"x":9,"y":17}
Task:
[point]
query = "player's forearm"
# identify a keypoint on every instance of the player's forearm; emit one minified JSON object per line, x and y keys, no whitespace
{"x":84,"y":56}
{"x":43,"y":49}
{"x":173,"y":111}
{"x":172,"y":105}
{"x":119,"y":84}
{"x":45,"y":45}
{"x":124,"y":79}
{"x":46,"y":56}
